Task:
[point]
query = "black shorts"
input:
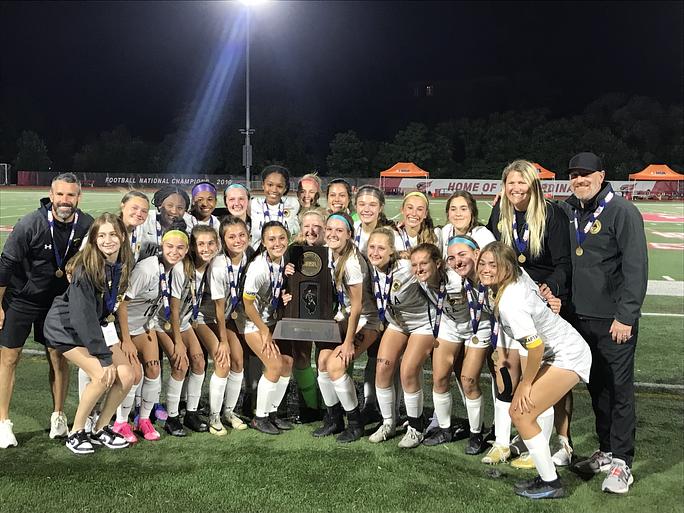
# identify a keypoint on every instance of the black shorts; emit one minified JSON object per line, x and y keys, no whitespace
{"x":19,"y":319}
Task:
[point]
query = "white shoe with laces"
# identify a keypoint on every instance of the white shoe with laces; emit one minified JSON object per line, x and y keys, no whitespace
{"x":384,"y":432}
{"x":58,"y":425}
{"x":413,"y":438}
{"x":7,"y":437}
{"x":563,"y":456}
{"x":233,"y":421}
{"x":619,"y":478}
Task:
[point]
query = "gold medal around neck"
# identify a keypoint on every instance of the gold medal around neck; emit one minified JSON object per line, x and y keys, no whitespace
{"x":382,"y":327}
{"x":474,"y":340}
{"x":579,"y":251}
{"x":396,"y":286}
{"x":233,"y":315}
{"x":522,"y":258}
{"x":167,"y":326}
{"x":59,"y":273}
{"x":110,"y":318}
{"x":595,"y":228}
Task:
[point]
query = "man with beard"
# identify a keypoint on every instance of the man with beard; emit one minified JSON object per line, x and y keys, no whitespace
{"x":32,"y":274}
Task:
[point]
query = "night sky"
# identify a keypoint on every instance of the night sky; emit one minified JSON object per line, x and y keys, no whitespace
{"x":80,"y":68}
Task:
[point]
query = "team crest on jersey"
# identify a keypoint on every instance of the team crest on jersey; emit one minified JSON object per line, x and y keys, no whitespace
{"x":396,"y":286}
{"x":595,"y":228}
{"x":286,"y":213}
{"x":455,"y":300}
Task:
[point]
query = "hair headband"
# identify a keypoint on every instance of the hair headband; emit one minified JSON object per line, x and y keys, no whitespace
{"x":176,"y":233}
{"x":203,"y":187}
{"x":310,"y":180}
{"x":234,"y":185}
{"x":417,"y":194}
{"x":462,"y":240}
{"x":371,"y":191}
{"x":338,"y":216}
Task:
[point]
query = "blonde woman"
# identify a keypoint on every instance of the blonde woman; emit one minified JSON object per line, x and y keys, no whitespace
{"x":416,"y":226}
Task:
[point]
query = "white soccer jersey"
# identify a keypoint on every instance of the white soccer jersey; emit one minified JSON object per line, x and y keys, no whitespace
{"x":404,"y":242}
{"x":191,"y":221}
{"x":220,"y":283}
{"x":361,"y":238}
{"x":479,"y":234}
{"x":285,"y":212}
{"x":407,"y":307}
{"x":355,"y":273}
{"x":523,"y":313}
{"x":144,"y":295}
{"x":180,"y":289}
{"x":259,"y":283}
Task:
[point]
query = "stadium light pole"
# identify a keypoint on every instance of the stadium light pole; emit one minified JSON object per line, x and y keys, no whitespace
{"x":248,"y":130}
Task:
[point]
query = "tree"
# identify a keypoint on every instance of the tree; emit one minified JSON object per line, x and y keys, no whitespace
{"x":32,"y":154}
{"x":347,"y":156}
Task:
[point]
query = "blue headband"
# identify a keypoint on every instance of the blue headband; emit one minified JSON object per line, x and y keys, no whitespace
{"x":338,"y":216}
{"x":462,"y":240}
{"x":203,"y":187}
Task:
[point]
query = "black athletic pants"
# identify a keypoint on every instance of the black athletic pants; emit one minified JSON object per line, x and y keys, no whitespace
{"x":611,"y":385}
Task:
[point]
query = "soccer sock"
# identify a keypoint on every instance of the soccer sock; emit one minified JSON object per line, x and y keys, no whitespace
{"x":232,"y":393}
{"x":474,"y":408}
{"x":265,"y":389}
{"x":279,"y":393}
{"x":414,"y":403}
{"x":83,"y":380}
{"x":369,"y":382}
{"x":327,"y":389}
{"x":386,"y":403}
{"x":173,"y":393}
{"x":541,"y":455}
{"x":545,"y":421}
{"x":126,"y":405}
{"x":150,"y":396}
{"x":184,"y":390}
{"x":345,"y":390}
{"x":306,"y":381}
{"x":442,"y":404}
{"x":194,"y":390}
{"x":138,"y":392}
{"x":217,"y":387}
{"x":502,"y":423}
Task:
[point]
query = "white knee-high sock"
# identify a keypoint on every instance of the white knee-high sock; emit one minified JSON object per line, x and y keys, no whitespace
{"x":474,"y":408}
{"x":150,"y":395}
{"x":541,"y":455}
{"x":545,"y":421}
{"x":414,"y":403}
{"x":217,"y":388}
{"x":232,"y":393}
{"x":184,"y":390}
{"x":327,"y":389}
{"x":279,"y":393}
{"x":173,"y":395}
{"x":265,"y":390}
{"x":138,"y":392}
{"x":502,"y":423}
{"x":345,"y":390}
{"x":195,"y":382}
{"x":386,"y":403}
{"x":126,"y":405}
{"x":369,"y":382}
{"x":83,"y":380}
{"x":442,"y":404}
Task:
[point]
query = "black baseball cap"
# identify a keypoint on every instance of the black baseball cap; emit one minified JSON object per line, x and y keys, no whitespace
{"x":585,"y":161}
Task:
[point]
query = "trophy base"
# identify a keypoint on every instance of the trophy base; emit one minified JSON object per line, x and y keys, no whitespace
{"x":307,"y":329}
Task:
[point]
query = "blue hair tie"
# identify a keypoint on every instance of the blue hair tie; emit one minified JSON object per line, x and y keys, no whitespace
{"x":457,"y":239}
{"x":338,"y":216}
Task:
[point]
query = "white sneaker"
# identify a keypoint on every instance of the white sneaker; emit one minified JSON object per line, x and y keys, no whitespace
{"x":384,"y":432}
{"x":89,"y":424}
{"x":563,"y":456}
{"x":413,"y":438}
{"x":234,"y":421}
{"x":215,"y":425}
{"x":58,"y":425}
{"x":619,"y":478}
{"x":7,"y":437}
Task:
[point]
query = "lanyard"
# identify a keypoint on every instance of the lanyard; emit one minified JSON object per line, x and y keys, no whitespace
{"x":196,"y":293}
{"x":58,"y":258}
{"x":338,"y":290}
{"x":165,"y":293}
{"x":111,"y":290}
{"x":405,"y":238}
{"x":159,"y":231}
{"x":494,"y":323}
{"x":234,"y":279}
{"x":520,"y":244}
{"x":381,"y":296}
{"x":440,"y":308}
{"x":135,"y":246}
{"x":276,"y":282}
{"x":267,"y":213}
{"x":475,"y":304}
{"x":194,"y":221}
{"x":581,"y":235}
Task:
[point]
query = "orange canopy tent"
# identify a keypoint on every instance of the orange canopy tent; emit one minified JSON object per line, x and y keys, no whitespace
{"x":544,"y":174}
{"x":657,"y":172}
{"x":397,"y":172}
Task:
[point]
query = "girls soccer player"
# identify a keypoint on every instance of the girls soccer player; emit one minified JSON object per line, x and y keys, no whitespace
{"x":308,"y":191}
{"x":203,"y":206}
{"x":80,"y":324}
{"x":275,"y":206}
{"x":338,"y":196}
{"x":236,"y":199}
{"x":135,"y":208}
{"x":416,"y":226}
{"x":461,"y":211}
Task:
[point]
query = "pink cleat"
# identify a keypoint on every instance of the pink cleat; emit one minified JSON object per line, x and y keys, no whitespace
{"x":124,"y":429}
{"x":146,"y":428}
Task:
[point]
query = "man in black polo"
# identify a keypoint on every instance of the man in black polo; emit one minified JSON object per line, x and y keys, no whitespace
{"x":31,"y":276}
{"x":610,"y":275}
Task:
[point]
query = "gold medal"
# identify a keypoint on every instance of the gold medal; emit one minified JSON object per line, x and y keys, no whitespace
{"x":396,"y":286}
{"x":521,"y":258}
{"x":382,"y":327}
{"x":167,"y":326}
{"x":474,"y":340}
{"x":579,"y":251}
{"x":59,"y":273}
{"x":110,"y":317}
{"x":194,"y":325}
{"x":233,"y":315}
{"x":495,"y":356}
{"x":595,"y":228}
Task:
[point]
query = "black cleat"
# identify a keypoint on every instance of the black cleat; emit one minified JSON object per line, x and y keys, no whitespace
{"x":476,"y":444}
{"x":309,"y":415}
{"x":460,"y":430}
{"x":540,"y":489}
{"x":282,"y":424}
{"x":438,"y":436}
{"x":264,"y":425}
{"x":354,"y":429}
{"x":333,"y":422}
{"x":370,"y":414}
{"x":193,"y":421}
{"x":174,"y":427}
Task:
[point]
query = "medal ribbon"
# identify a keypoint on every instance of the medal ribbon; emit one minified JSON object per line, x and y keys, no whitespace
{"x":111,"y":290}
{"x":494,"y":323}
{"x":581,"y":235}
{"x":196,"y":294}
{"x":267,"y":213}
{"x":340,"y":292}
{"x":51,"y":223}
{"x":440,"y":308}
{"x":134,"y":243}
{"x":233,"y":279}
{"x":165,"y":290}
{"x":159,"y":231}
{"x":474,"y":304}
{"x":406,"y":240}
{"x":276,"y":282}
{"x":520,"y":244}
{"x":381,"y":297}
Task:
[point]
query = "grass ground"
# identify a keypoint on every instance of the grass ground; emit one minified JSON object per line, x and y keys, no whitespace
{"x":250,"y":472}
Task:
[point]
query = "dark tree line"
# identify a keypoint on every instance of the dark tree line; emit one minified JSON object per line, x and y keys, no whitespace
{"x":629,"y":132}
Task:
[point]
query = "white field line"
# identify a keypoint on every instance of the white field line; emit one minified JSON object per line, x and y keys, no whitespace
{"x":653,"y":314}
{"x":668,"y":278}
{"x":665,"y":288}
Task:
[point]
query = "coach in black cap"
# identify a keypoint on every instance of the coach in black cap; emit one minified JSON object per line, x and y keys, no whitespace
{"x":610,"y":274}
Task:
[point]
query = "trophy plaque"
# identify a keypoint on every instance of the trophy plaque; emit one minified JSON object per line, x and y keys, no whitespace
{"x":310,"y":313}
